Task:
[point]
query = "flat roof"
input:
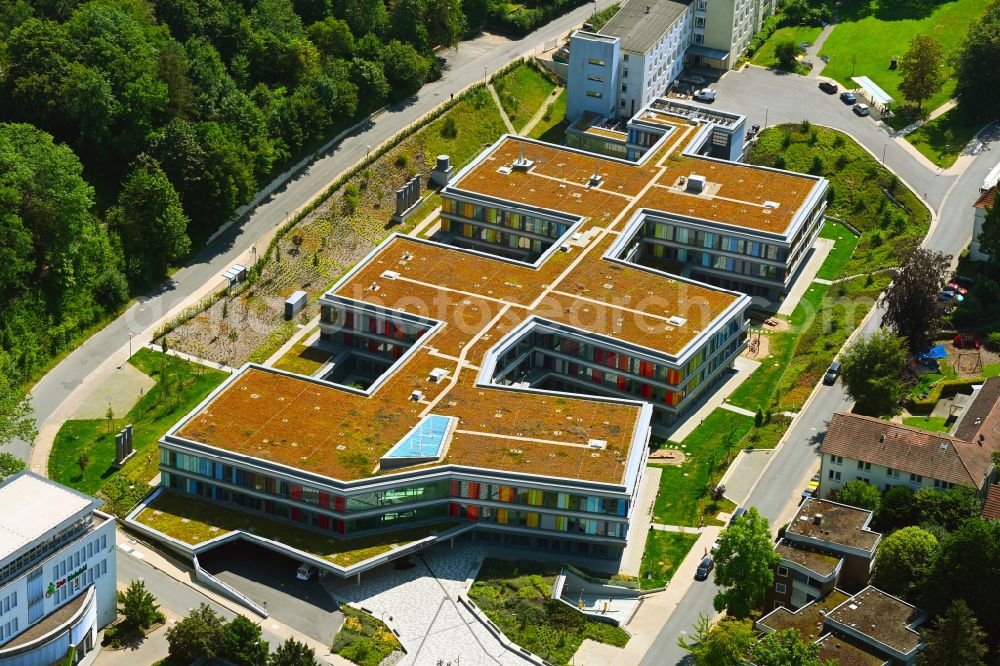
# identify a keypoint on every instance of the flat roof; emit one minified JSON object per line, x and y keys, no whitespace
{"x":737,"y":195}
{"x":840,"y":524}
{"x":807,"y":620}
{"x":31,"y":505}
{"x":880,"y":617}
{"x":639,"y":23}
{"x":846,"y":652}
{"x":820,"y":563}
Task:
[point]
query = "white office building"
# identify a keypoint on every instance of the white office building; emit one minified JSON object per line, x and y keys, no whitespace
{"x":57,"y":572}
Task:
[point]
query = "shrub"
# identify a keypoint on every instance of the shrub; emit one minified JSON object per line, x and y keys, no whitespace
{"x":449,"y":129}
{"x":993,"y":340}
{"x":402,"y":160}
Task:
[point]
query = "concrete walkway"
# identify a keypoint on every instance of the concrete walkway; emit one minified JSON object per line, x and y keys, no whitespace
{"x":120,"y":390}
{"x":818,"y":254}
{"x":812,"y":53}
{"x":738,"y":410}
{"x":503,"y":114}
{"x":743,"y":472}
{"x":631,"y":562}
{"x":191,"y":358}
{"x":541,"y":111}
{"x":744,"y":368}
{"x":292,"y":341}
{"x":677,"y":528}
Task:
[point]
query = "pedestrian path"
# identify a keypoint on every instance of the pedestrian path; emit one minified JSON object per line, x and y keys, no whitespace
{"x":813,"y":51}
{"x":738,"y":410}
{"x":421,"y":603}
{"x":503,"y":114}
{"x":676,"y":528}
{"x":541,"y":111}
{"x":193,"y":359}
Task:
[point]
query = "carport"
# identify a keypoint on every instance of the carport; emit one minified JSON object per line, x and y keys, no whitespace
{"x":878,"y":98}
{"x":267,"y":577}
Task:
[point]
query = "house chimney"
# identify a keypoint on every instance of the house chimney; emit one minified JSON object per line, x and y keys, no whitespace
{"x":881,"y":438}
{"x":647,"y":9}
{"x":818,"y":519}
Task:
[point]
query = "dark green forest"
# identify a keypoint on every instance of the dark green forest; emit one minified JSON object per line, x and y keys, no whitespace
{"x":130,"y":130}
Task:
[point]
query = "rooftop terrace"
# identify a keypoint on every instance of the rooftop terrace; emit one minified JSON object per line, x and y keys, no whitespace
{"x":807,"y":620}
{"x":820,"y":563}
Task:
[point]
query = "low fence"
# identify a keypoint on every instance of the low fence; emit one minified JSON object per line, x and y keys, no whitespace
{"x":225,"y":589}
{"x":510,"y":645}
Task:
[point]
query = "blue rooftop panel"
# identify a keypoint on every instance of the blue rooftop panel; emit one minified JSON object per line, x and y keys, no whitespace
{"x":424,"y":441}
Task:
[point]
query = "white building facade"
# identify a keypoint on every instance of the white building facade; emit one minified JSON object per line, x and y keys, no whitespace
{"x":57,"y":572}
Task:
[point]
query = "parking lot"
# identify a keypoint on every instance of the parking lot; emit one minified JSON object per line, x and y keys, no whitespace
{"x":269,"y":579}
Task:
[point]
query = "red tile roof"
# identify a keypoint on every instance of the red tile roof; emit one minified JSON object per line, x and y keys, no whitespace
{"x":987,"y":198}
{"x":991,"y":509}
{"x":934,"y":455}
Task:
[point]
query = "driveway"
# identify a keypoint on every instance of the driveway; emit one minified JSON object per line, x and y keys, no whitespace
{"x":269,"y":579}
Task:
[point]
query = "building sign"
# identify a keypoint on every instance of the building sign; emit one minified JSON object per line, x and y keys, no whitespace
{"x":73,"y":576}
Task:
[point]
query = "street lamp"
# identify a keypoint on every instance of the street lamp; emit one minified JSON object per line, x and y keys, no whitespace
{"x":130,"y":345}
{"x":765,"y":117}
{"x":368,"y":150}
{"x":484,"y":72}
{"x":884,"y":145}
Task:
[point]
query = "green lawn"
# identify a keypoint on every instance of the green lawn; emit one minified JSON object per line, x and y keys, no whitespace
{"x":363,"y":639}
{"x":522,"y":92}
{"x":516,"y":596}
{"x":180,"y":386}
{"x":941,"y":140}
{"x":463,"y":131}
{"x":871,"y":32}
{"x":845,"y":242}
{"x":798,"y":33}
{"x":931,"y":423}
{"x":683,"y":496}
{"x":664,"y":553}
{"x":552,"y":128}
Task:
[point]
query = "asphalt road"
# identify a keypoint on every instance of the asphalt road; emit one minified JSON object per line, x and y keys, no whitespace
{"x":464,"y":66}
{"x":269,"y":579}
{"x":751,"y":92}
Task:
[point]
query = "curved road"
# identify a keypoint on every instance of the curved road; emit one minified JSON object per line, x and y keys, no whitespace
{"x":464,"y":66}
{"x":950,"y":196}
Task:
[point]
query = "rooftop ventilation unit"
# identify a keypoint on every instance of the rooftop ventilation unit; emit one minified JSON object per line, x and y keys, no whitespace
{"x":598,"y":444}
{"x":390,"y":275}
{"x":437,"y":374}
{"x":417,"y":396}
{"x":943,"y":446}
{"x":773,"y":205}
{"x":522,"y":163}
{"x":818,"y":519}
{"x":677,"y":321}
{"x":881,"y":438}
{"x":695,"y":183}
{"x":373,"y":286}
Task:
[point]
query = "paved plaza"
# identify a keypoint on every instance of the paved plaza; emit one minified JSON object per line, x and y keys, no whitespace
{"x":421,"y":603}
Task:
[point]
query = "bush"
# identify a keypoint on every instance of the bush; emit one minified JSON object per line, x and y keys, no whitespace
{"x":993,"y":340}
{"x":352,"y":197}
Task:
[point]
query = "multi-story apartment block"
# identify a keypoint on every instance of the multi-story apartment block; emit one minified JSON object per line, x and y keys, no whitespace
{"x":826,"y":546}
{"x":635,"y":57}
{"x":57,"y":572}
{"x":870,"y":628}
{"x":631,"y":61}
{"x":888,"y":454}
{"x":501,"y":374}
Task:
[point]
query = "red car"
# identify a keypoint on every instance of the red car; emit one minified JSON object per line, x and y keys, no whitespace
{"x":953,"y":286}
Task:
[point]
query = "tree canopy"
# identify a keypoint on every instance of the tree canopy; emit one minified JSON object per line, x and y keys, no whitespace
{"x":921,"y":70}
{"x":913,"y":308}
{"x":860,"y":494}
{"x":744,"y":564}
{"x":727,"y":643}
{"x":955,"y":638}
{"x":903,"y":560}
{"x":785,"y":648}
{"x":977,"y":67}
{"x":871,"y":370}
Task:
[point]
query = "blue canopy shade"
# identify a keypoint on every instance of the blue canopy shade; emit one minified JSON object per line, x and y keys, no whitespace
{"x":937,"y":351}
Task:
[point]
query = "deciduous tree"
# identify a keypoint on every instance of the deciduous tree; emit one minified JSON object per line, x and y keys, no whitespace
{"x":977,"y":67}
{"x":727,"y":643}
{"x":744,"y":565}
{"x":871,"y":369}
{"x":240,"y":642}
{"x":921,"y":70}
{"x":903,"y":560}
{"x":989,"y":237}
{"x":860,"y":494}
{"x":898,"y":510}
{"x":9,"y":465}
{"x":954,"y":638}
{"x":17,"y":418}
{"x":197,"y":636}
{"x":785,"y":648}
{"x":292,"y":653}
{"x":138,"y":606}
{"x":786,"y":51}
{"x":912,"y":306}
{"x":946,"y":509}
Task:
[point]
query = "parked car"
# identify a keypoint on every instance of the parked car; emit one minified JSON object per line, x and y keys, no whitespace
{"x":693,"y":79}
{"x":830,"y":378}
{"x":715,"y":546}
{"x":736,"y":514}
{"x":305,"y":572}
{"x":950,"y":296}
{"x":829,"y":87}
{"x":811,"y":489}
{"x":704,"y":95}
{"x":962,"y":280}
{"x":861,"y":110}
{"x":848,"y":97}
{"x":953,"y":286}
{"x":705,"y":568}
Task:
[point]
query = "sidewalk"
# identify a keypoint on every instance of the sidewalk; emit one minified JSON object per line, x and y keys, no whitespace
{"x":812,"y":53}
{"x":652,"y":614}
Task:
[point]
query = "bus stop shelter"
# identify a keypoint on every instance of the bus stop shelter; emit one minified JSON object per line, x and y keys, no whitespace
{"x":879,"y":98}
